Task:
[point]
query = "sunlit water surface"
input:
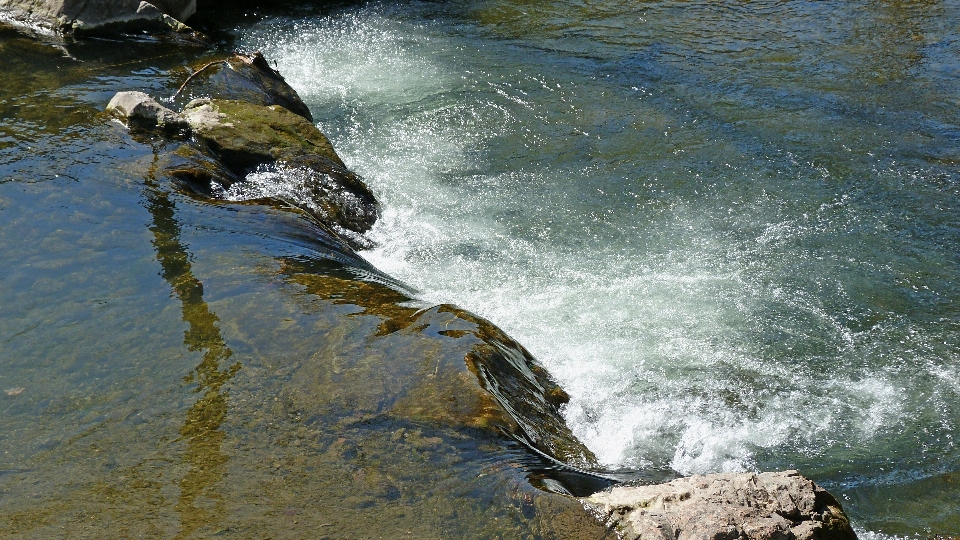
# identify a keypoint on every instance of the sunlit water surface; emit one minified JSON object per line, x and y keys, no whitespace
{"x":731,"y":230}
{"x":177,"y":367}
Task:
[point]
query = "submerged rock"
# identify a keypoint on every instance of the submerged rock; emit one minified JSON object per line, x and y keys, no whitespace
{"x":69,"y":16}
{"x":765,"y":506}
{"x":142,"y":111}
{"x":442,"y":365}
{"x":244,"y":77}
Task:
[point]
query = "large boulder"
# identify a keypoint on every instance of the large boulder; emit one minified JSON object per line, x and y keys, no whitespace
{"x":245,"y":151}
{"x":242,"y":77}
{"x":244,"y":135}
{"x":69,"y":16}
{"x":732,"y":506}
{"x":455,"y":369}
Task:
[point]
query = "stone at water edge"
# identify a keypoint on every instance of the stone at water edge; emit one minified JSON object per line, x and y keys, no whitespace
{"x":282,"y":156}
{"x":67,"y":16}
{"x":142,"y":111}
{"x":730,"y":506}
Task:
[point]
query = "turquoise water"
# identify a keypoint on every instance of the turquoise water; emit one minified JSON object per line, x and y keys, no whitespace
{"x":729,"y":229}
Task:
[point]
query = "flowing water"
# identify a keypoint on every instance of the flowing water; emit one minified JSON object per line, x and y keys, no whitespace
{"x":729,"y":229}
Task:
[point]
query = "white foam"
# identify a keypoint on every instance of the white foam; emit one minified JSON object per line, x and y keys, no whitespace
{"x":864,"y":534}
{"x":654,"y":326}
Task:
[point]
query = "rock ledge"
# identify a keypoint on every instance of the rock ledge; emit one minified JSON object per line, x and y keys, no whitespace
{"x":59,"y":17}
{"x":746,"y":506}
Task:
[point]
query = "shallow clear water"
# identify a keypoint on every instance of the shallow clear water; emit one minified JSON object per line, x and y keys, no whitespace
{"x":729,"y":229}
{"x":176,"y":367}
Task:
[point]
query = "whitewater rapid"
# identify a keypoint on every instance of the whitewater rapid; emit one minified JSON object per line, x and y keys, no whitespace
{"x":683,"y":304}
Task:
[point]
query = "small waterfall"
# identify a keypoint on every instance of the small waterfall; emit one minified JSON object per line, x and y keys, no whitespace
{"x":712,"y":297}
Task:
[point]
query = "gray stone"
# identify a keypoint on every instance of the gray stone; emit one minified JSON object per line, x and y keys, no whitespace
{"x":747,"y":506}
{"x":142,"y":111}
{"x":68,"y":16}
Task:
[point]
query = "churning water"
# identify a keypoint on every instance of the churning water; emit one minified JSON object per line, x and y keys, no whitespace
{"x":730,"y":230}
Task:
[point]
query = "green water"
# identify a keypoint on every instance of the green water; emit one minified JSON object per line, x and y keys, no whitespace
{"x":729,"y":229}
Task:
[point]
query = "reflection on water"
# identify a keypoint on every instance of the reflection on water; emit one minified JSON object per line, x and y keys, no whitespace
{"x":201,"y":428}
{"x":730,"y":228}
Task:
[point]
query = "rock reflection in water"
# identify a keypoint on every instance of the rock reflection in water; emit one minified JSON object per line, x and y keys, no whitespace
{"x":201,"y":427}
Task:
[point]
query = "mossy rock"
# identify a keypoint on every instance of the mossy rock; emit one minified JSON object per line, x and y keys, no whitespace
{"x":244,"y":135}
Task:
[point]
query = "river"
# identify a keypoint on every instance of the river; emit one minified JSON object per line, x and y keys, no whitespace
{"x":730,"y":230}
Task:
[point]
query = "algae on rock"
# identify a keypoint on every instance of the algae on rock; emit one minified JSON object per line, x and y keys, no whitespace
{"x":245,"y":135}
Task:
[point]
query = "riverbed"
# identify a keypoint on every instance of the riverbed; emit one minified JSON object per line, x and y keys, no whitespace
{"x":729,"y":230}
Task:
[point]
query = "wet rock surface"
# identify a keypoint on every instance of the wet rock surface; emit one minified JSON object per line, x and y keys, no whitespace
{"x":141,"y":111}
{"x":250,"y":147}
{"x":440,"y":365}
{"x":70,"y":16}
{"x":244,"y":135}
{"x":243,"y":77}
{"x":250,"y":152}
{"x":314,"y":183}
{"x":765,"y":506}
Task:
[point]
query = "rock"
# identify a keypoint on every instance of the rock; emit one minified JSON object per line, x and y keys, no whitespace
{"x":765,"y":506}
{"x":332,"y":195}
{"x":142,"y":111}
{"x":196,"y":172}
{"x":244,"y":135}
{"x":244,"y":77}
{"x":335,"y":194}
{"x":442,"y":366}
{"x":258,"y":150}
{"x":69,"y":16}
